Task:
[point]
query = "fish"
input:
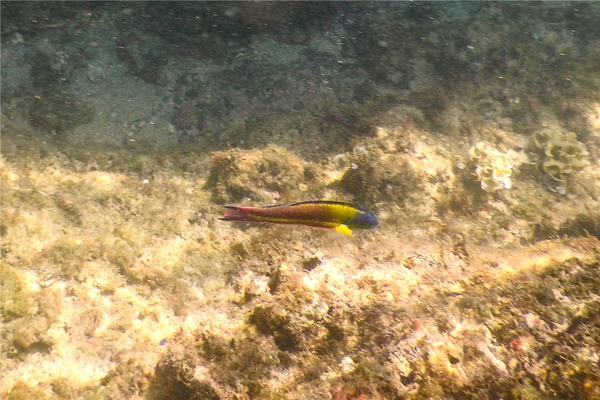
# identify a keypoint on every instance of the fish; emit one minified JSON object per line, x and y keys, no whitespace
{"x":343,"y":217}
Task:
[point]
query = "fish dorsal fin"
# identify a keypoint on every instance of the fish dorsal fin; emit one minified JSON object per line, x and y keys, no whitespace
{"x":343,"y":229}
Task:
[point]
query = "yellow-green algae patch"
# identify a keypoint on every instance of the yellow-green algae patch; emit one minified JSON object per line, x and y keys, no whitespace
{"x":93,"y":261}
{"x":439,"y":337}
{"x":263,"y":176}
{"x":15,"y":295}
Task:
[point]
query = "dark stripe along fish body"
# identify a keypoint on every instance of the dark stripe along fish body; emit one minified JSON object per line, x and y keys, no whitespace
{"x":322,"y":214}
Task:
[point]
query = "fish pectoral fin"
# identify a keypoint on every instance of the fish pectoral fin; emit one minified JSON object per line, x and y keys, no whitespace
{"x":343,"y":229}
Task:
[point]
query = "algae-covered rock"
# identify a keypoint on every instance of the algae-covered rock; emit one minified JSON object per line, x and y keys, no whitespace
{"x":208,"y":365}
{"x":127,"y":379}
{"x":374,"y":178}
{"x":15,"y":298}
{"x":22,"y":391}
{"x":59,"y":112}
{"x":54,"y":107}
{"x":262,"y":176}
{"x":27,"y":314}
{"x":582,"y":225}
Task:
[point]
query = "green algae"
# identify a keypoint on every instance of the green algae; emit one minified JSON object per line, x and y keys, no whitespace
{"x":373,"y":179}
{"x":27,"y":314}
{"x":24,"y":392}
{"x":237,"y":175}
{"x":15,"y":298}
{"x":527,"y":211}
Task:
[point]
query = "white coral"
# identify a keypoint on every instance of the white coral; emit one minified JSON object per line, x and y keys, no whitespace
{"x":493,"y":167}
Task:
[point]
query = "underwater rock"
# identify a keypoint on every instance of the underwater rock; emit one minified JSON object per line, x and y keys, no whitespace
{"x":27,"y":314}
{"x":175,"y":376}
{"x":582,"y":225}
{"x":150,"y":72}
{"x":371,"y":178}
{"x":48,"y":99}
{"x":59,"y":112}
{"x":263,"y":176}
{"x":54,"y":108}
{"x":276,"y":323}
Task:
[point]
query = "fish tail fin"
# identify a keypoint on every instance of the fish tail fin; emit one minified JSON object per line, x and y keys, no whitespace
{"x":233,"y":213}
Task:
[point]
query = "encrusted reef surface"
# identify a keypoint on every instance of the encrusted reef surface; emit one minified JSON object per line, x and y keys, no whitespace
{"x":471,"y":129}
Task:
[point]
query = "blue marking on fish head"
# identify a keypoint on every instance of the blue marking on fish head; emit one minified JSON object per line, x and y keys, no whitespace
{"x":364,"y":219}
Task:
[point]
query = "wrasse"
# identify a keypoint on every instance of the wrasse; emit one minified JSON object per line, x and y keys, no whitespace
{"x":322,"y":214}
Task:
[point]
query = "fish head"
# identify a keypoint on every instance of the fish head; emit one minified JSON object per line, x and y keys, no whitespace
{"x":364,"y":219}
